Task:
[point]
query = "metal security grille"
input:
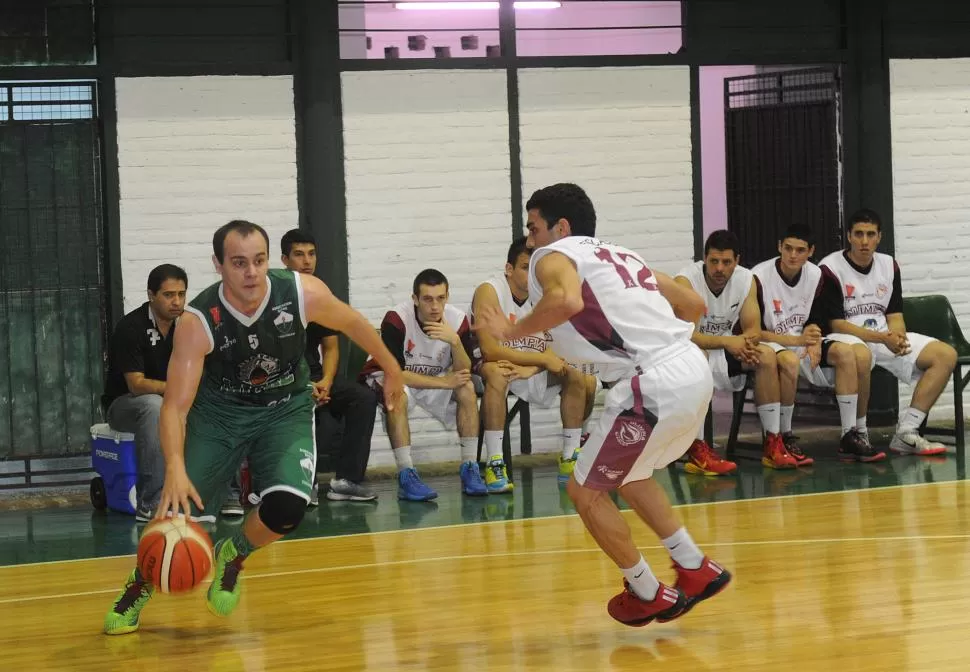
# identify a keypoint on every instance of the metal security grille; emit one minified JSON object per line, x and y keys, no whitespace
{"x":52,"y":291}
{"x":783,"y":148}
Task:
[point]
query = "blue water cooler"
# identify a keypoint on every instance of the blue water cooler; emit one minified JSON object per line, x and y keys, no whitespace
{"x":114,"y":459}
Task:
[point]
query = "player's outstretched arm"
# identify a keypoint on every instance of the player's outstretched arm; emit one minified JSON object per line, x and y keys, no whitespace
{"x":191,"y":344}
{"x":687,"y":304}
{"x":325,"y":309}
{"x":492,"y":349}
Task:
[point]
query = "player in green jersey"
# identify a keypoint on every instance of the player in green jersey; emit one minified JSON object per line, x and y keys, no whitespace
{"x":238,"y":385}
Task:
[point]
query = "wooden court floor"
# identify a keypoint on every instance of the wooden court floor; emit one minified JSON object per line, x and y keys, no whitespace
{"x":852,"y":581}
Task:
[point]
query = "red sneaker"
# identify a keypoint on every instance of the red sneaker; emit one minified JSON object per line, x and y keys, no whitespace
{"x":701,"y":583}
{"x":629,"y":609}
{"x":791,"y":445}
{"x":701,"y":459}
{"x":776,"y":455}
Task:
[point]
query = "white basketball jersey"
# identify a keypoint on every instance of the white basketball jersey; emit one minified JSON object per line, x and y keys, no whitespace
{"x":515,"y":312}
{"x":722,"y":311}
{"x":786,"y":308}
{"x":865,"y":296}
{"x":625,"y":321}
{"x":423,"y":354}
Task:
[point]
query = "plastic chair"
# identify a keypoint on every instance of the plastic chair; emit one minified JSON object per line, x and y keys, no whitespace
{"x":932,"y":315}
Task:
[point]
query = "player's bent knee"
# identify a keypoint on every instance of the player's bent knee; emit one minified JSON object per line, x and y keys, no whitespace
{"x":863,"y":356}
{"x":493,"y":376}
{"x":841,"y":354}
{"x":767,"y":357}
{"x":466,"y":393}
{"x":947,"y":355}
{"x":282,"y":511}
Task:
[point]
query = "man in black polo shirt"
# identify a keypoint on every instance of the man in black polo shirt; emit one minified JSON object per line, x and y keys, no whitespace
{"x":336,"y":398}
{"x":138,"y":355}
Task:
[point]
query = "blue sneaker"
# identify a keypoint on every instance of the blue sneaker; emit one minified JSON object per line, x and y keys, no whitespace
{"x":471,"y":480}
{"x":411,"y":487}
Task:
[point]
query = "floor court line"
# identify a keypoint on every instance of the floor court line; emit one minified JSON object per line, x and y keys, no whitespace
{"x":517,"y":554}
{"x":526,"y":520}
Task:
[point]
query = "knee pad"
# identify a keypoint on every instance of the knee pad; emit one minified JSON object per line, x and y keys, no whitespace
{"x":282,"y":511}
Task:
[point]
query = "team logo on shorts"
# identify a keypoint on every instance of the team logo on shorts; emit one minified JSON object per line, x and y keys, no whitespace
{"x":630,"y":433}
{"x":611,"y":474}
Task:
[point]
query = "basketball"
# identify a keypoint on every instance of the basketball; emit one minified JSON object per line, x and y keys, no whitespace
{"x":174,"y":554}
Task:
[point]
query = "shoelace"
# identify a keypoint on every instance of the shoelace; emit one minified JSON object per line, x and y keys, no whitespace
{"x":231,"y":574}
{"x":133,"y":592}
{"x":707,"y":453}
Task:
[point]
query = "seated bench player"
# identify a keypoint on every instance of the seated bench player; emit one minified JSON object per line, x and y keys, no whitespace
{"x":434,"y":346}
{"x":872,"y":301}
{"x":527,"y":368}
{"x":730,"y":334}
{"x":797,"y":306}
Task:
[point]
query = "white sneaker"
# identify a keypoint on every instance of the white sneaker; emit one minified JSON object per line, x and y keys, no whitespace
{"x":911,"y":443}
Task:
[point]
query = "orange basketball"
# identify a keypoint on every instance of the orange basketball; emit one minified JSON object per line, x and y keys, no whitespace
{"x":174,"y":554}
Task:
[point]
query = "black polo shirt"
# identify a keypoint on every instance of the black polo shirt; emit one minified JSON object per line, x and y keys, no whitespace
{"x":136,"y":346}
{"x":314,"y":334}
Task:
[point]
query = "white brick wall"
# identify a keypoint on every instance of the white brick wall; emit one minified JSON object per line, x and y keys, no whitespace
{"x":194,"y":153}
{"x":427,"y":186}
{"x":623,"y":134}
{"x":930,"y":110}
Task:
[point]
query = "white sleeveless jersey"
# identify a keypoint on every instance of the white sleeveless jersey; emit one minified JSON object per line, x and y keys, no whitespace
{"x":625,"y":321}
{"x":512,"y":310}
{"x":865,"y":296}
{"x":423,"y":354}
{"x":786,"y":308}
{"x":722,"y":311}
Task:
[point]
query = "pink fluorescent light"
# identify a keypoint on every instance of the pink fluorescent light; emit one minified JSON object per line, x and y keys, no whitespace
{"x":483,"y":4}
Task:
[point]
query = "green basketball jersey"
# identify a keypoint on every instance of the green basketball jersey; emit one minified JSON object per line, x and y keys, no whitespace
{"x":259,"y":359}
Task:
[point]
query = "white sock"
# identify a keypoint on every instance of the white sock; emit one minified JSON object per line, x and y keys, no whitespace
{"x":910,"y":420}
{"x":570,"y":441}
{"x":683,"y":550}
{"x":785,"y":418}
{"x":642,"y":580}
{"x":493,"y":444}
{"x":848,"y":404}
{"x":770,"y":417}
{"x":402,"y":458}
{"x":860,"y":424}
{"x":469,"y":448}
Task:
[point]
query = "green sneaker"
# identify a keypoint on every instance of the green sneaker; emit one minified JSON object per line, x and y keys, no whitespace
{"x":223,"y":596}
{"x":123,"y":617}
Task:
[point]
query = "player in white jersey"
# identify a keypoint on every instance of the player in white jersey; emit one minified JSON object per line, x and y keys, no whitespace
{"x":797,"y":307}
{"x":730,"y":333}
{"x":433,"y":343}
{"x":603,"y":305}
{"x":527,"y":368}
{"x":872,"y":297}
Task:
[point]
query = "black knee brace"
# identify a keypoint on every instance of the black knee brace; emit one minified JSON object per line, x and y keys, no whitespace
{"x":282,"y":511}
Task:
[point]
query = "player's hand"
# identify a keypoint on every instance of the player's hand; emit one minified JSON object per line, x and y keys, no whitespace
{"x":176,"y":494}
{"x":321,"y":391}
{"x":441,"y":331}
{"x":814,"y":355}
{"x":553,"y":363}
{"x":456,"y":379}
{"x":494,"y":322}
{"x":744,"y":349}
{"x":896,"y":342}
{"x":393,"y":388}
{"x":516,"y":372}
{"x":812,"y":335}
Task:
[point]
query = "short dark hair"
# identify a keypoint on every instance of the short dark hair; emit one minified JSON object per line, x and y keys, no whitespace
{"x":244,"y":228}
{"x":517,"y":248}
{"x":431,"y":277}
{"x":864,"y":216}
{"x":801,"y":232}
{"x":295,"y":236}
{"x":723,"y":240}
{"x":165,"y":272}
{"x":565,"y":201}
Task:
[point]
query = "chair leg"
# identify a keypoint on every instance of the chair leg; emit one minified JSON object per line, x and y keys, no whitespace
{"x":525,"y":426}
{"x":507,"y":439}
{"x":709,"y":425}
{"x":481,"y":430}
{"x":958,"y":428}
{"x":739,"y":398}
